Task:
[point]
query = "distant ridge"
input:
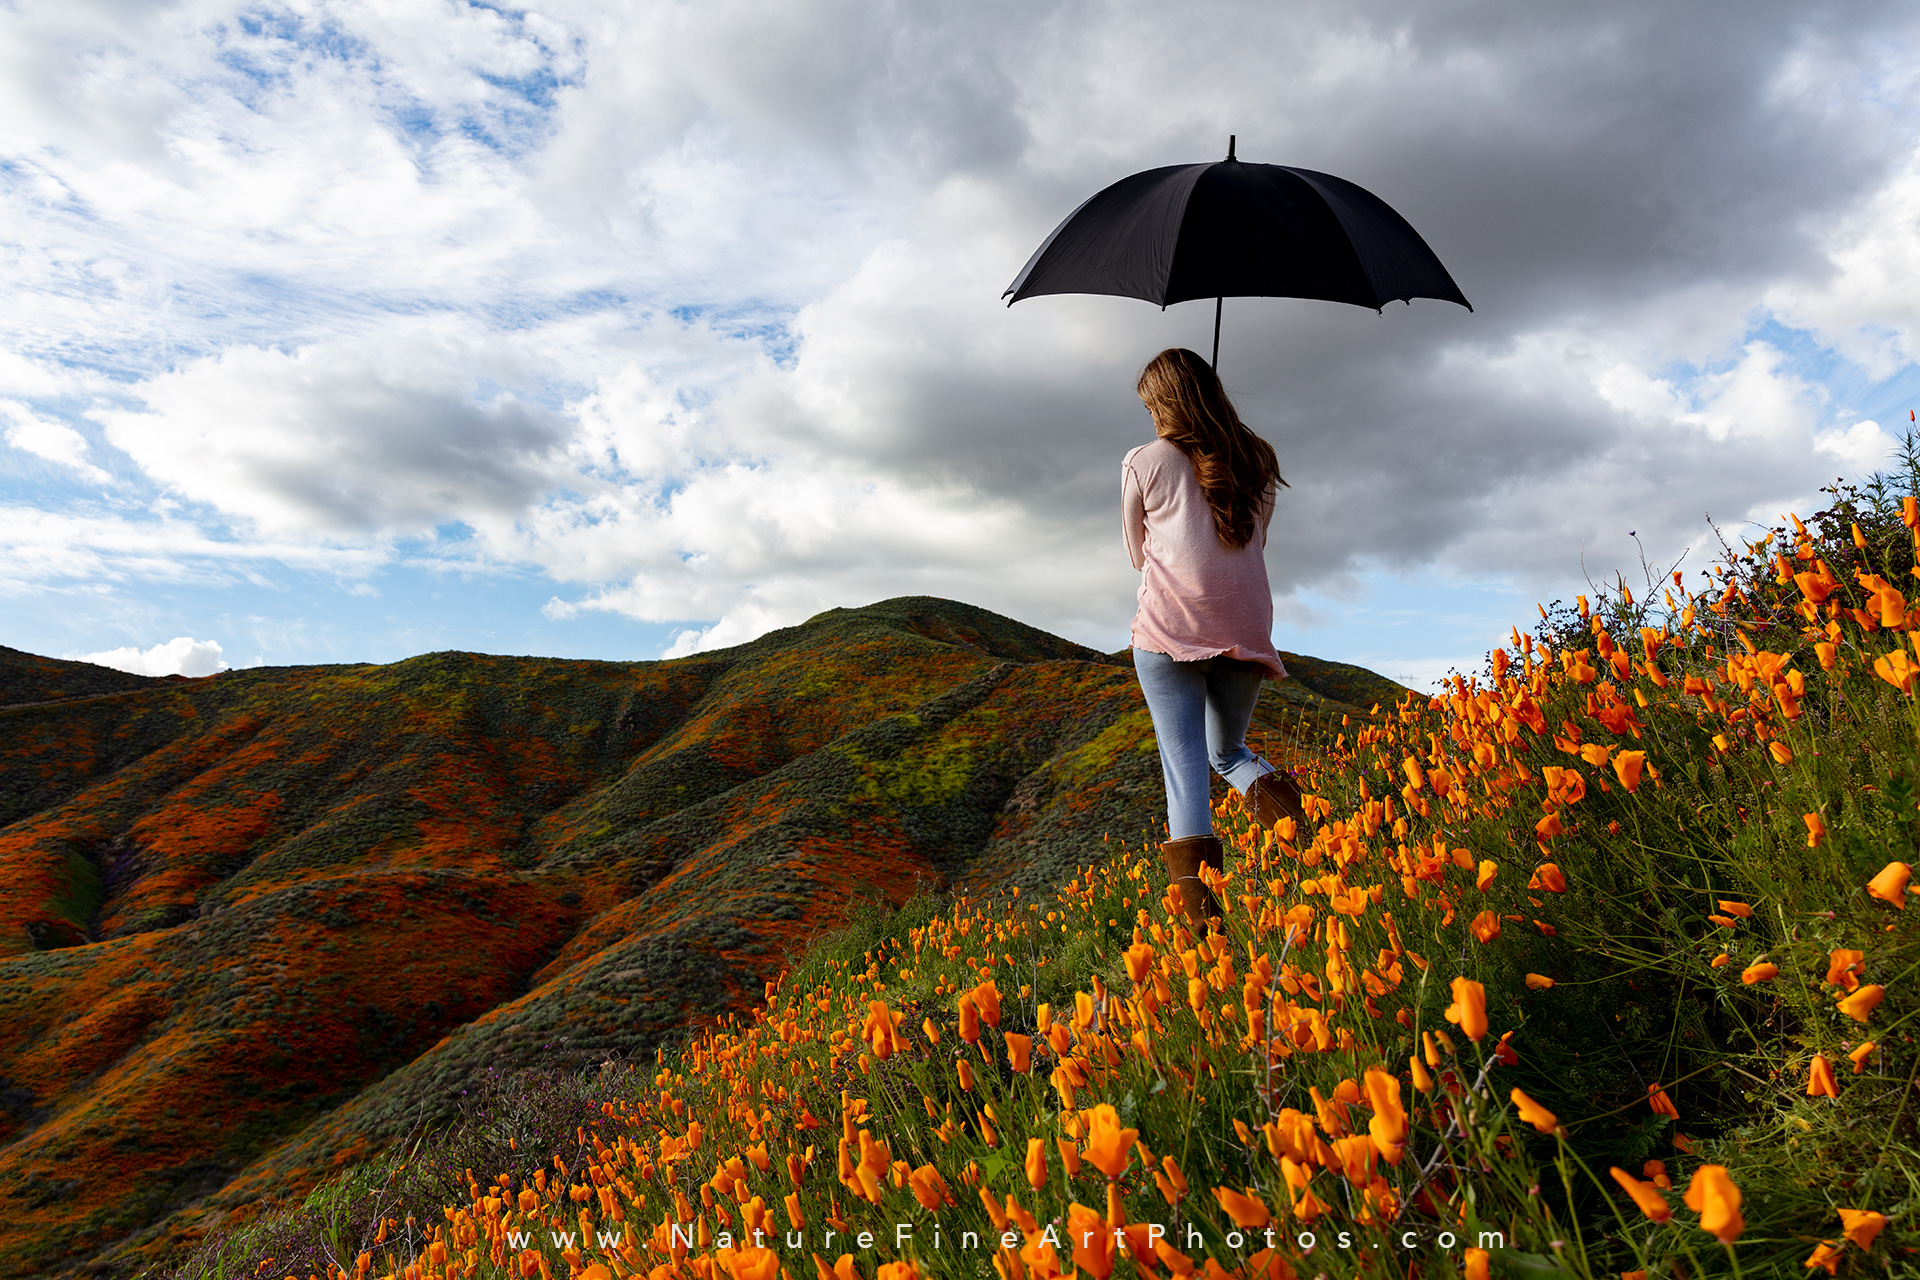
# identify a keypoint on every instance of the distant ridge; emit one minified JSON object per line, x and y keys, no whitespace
{"x":28,"y":677}
{"x":258,"y":926}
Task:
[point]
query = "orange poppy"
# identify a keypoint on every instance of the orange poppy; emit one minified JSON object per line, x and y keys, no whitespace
{"x":1890,"y":886}
{"x":1388,"y":1128}
{"x":929,"y":1188}
{"x":1816,"y":830}
{"x":1897,"y":670}
{"x":1037,"y":1162}
{"x":1627,"y":766}
{"x":1862,"y":1226}
{"x":969,"y":1019}
{"x":1860,"y":1005}
{"x":987,"y":996}
{"x":1651,"y":1202}
{"x":1092,"y":1243}
{"x":1820,"y":1078}
{"x":1716,"y":1199}
{"x":1533,"y":1113}
{"x":1248,"y":1210}
{"x":1107,"y":1144}
{"x":1469,"y":1008}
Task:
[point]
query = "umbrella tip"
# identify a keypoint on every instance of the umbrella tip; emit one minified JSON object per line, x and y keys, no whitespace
{"x":1231,"y":138}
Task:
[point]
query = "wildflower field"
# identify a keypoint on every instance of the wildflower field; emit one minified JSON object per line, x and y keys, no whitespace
{"x":260,"y":927}
{"x":1596,"y":964}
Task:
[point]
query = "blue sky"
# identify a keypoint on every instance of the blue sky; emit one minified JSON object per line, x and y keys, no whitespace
{"x":345,"y":331}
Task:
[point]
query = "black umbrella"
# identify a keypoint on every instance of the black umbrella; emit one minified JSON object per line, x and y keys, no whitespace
{"x":1232,"y":229}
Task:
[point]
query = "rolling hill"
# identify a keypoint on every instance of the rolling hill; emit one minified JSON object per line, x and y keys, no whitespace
{"x":258,"y":926}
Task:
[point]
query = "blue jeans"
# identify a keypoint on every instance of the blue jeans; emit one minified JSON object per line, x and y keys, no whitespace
{"x":1200,"y":715}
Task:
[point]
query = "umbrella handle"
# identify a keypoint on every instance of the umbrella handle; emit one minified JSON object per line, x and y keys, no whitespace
{"x":1231,"y":139}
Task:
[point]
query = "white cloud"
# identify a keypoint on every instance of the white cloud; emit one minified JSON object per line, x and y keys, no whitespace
{"x":20,"y":376}
{"x":55,"y":441}
{"x":1863,"y":299}
{"x":694,"y":309}
{"x":1637,"y":454}
{"x":43,"y":553}
{"x":365,"y":437}
{"x":180,"y":656}
{"x":1860,"y":448}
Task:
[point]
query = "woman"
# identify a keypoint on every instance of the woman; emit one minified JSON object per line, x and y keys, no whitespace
{"x":1195,"y":505}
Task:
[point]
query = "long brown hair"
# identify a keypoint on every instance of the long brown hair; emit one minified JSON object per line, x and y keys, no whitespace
{"x":1235,"y":467}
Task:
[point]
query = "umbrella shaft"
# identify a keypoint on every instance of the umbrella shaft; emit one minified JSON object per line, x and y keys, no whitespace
{"x":1217,"y":303}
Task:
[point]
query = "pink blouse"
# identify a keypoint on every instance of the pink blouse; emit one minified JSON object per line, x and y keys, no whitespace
{"x":1198,"y":597}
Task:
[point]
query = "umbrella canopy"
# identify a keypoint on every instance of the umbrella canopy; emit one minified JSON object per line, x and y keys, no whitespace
{"x":1232,"y":229}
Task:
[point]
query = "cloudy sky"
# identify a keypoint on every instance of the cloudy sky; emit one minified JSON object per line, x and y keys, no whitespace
{"x":339,"y":331}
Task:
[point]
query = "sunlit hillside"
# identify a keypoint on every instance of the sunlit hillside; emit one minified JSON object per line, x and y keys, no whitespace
{"x":258,"y":928}
{"x":1595,"y":965}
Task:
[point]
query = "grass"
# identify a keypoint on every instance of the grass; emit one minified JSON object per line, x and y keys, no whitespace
{"x":1596,"y":964}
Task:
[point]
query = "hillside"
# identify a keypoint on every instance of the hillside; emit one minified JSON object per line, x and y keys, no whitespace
{"x":258,"y":926}
{"x":1597,"y":964}
{"x":28,"y":677}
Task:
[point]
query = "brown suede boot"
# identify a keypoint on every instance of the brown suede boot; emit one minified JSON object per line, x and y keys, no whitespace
{"x":1184,"y":858}
{"x":1274,"y":796}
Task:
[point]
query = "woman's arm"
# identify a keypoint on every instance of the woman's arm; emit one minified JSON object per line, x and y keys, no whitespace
{"x":1133,"y":513}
